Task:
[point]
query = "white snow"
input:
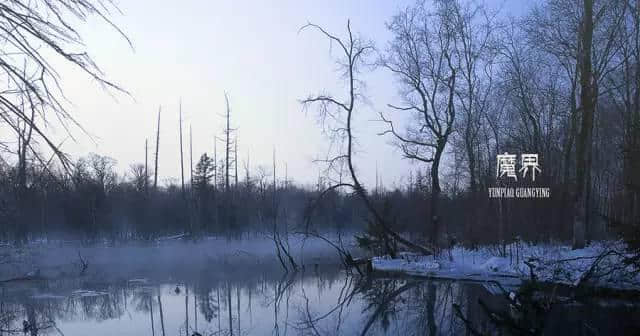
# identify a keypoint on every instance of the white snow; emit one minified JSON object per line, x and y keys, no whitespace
{"x":552,"y":263}
{"x":496,"y":264}
{"x":87,"y":293}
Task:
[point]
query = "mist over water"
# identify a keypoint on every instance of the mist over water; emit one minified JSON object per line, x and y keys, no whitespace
{"x":237,"y":287}
{"x":164,"y":259}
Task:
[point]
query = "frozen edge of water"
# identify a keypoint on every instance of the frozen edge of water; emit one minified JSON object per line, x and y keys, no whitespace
{"x":554,"y":264}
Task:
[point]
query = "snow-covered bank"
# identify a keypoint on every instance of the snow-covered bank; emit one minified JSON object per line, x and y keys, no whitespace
{"x":550,"y":263}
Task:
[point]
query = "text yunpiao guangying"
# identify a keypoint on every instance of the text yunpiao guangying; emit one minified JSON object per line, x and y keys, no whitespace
{"x":519,"y":192}
{"x":506,"y":168}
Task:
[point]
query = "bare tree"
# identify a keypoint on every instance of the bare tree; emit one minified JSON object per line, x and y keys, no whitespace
{"x":333,"y":111}
{"x":30,"y":32}
{"x":103,"y":170}
{"x":475,"y":30}
{"x":420,"y":56}
{"x":139,"y":176}
{"x":155,"y":171}
{"x":181,"y":150}
{"x":626,"y":97}
{"x":228,"y":143}
{"x":549,"y":28}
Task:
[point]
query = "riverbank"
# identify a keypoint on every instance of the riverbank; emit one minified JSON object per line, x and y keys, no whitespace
{"x":599,"y":264}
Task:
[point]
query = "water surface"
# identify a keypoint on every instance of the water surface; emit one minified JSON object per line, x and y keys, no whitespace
{"x":169,"y":292}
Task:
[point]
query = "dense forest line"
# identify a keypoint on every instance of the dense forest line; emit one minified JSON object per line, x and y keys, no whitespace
{"x":95,"y":202}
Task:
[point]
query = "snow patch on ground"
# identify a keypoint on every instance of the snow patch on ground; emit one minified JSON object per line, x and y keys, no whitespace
{"x":550,"y":262}
{"x":87,"y":293}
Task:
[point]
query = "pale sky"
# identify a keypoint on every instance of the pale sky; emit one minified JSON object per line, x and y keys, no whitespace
{"x":196,"y":50}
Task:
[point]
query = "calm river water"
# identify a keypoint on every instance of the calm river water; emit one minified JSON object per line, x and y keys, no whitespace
{"x":166,"y":295}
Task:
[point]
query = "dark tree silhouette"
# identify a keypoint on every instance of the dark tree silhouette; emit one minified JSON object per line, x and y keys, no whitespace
{"x":332,"y":110}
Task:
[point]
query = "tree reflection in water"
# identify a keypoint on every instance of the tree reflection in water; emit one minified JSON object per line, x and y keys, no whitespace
{"x":321,"y":302}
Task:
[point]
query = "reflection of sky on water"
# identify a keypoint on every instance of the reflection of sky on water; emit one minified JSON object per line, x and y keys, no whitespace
{"x":124,"y":308}
{"x":264,"y":304}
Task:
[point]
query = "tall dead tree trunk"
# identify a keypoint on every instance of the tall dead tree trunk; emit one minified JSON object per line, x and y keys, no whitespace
{"x":247,"y":176}
{"x":227,"y":149}
{"x":215,"y":163}
{"x":155,"y":172}
{"x":191,"y":192}
{"x":215,"y":181}
{"x":181,"y":151}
